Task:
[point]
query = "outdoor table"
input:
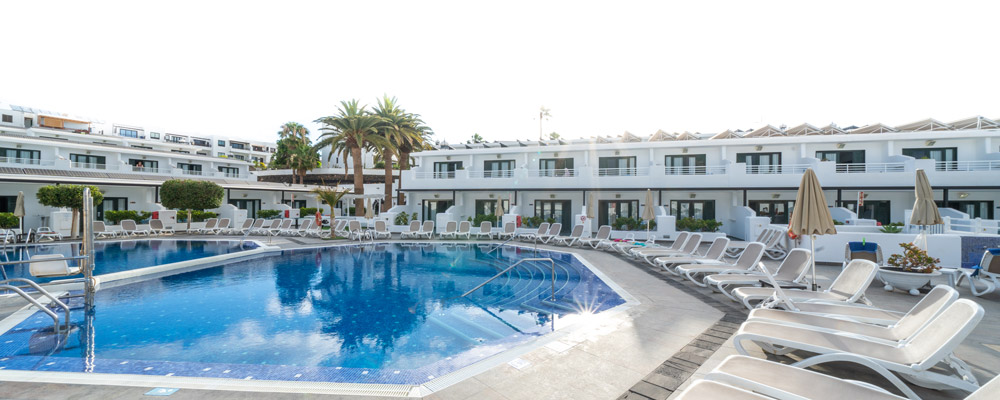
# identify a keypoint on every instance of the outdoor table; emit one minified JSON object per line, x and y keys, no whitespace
{"x":953,"y":274}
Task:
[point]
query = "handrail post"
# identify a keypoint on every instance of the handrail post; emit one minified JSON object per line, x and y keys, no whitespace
{"x":87,"y":246}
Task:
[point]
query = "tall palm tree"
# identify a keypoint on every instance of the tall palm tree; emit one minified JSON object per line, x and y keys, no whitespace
{"x":353,"y":128}
{"x":418,"y":139}
{"x":294,"y":130}
{"x":395,"y":125}
{"x":302,"y":160}
{"x":294,"y":136}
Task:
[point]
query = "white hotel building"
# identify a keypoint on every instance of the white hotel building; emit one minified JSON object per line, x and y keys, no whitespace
{"x":128,"y":162}
{"x":732,"y":177}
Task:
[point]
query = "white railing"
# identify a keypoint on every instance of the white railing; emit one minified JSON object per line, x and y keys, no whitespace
{"x":502,"y":173}
{"x":27,"y":161}
{"x":88,"y":165}
{"x":987,"y":165}
{"x":621,"y":172}
{"x":870,"y":168}
{"x":974,"y":226}
{"x":435,"y":175}
{"x":228,"y":174}
{"x":191,"y":172}
{"x":778,"y":169}
{"x":552,"y":173}
{"x":696,"y":170}
{"x":146,"y":170}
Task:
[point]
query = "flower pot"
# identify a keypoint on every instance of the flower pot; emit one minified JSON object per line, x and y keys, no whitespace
{"x":896,"y":278}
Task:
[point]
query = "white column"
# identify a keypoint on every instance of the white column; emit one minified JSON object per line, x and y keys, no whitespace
{"x":651,"y":157}
{"x":890,"y":148}
{"x":722,"y":154}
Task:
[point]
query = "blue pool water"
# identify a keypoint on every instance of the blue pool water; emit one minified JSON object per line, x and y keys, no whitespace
{"x":375,"y":314}
{"x":117,"y":256}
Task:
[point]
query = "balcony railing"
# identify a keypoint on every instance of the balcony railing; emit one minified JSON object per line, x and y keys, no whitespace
{"x":988,"y":165}
{"x":28,"y":161}
{"x":696,"y":170}
{"x":870,"y":168}
{"x":88,"y":165}
{"x":502,"y":173}
{"x":777,"y":169}
{"x":622,"y":172}
{"x":552,"y":173}
{"x":146,"y":170}
{"x":435,"y":175}
{"x":191,"y":172}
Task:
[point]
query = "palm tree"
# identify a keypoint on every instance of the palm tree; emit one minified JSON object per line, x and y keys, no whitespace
{"x":294,"y":130}
{"x":417,"y":140}
{"x":302,"y":160}
{"x":351,"y":130}
{"x":331,"y":196}
{"x":396,"y":125}
{"x":294,"y":136}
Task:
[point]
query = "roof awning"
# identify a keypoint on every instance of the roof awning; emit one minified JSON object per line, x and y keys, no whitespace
{"x":65,"y":118}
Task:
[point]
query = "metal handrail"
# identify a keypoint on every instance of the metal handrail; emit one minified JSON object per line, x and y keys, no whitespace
{"x":552,"y":264}
{"x":41,"y":291}
{"x":54,"y":316}
{"x":501,"y":244}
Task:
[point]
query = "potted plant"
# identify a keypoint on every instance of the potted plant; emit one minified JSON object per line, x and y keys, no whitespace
{"x":909,"y":271}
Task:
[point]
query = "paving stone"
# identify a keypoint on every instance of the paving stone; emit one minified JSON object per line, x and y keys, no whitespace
{"x":664,"y":381}
{"x":650,"y":390}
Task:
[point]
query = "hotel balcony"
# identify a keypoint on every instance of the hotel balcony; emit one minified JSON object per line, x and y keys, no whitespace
{"x":34,"y":166}
{"x":733,"y":175}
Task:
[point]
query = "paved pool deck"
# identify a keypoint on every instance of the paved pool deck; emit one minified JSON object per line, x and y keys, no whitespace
{"x":676,"y":334}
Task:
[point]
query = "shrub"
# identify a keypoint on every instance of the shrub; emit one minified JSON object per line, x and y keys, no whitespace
{"x":531,"y":222}
{"x":402,"y":219}
{"x":187,"y":194}
{"x":115,"y":217}
{"x":307,"y":211}
{"x":698,"y":225}
{"x":480,"y":218}
{"x":914,"y":259}
{"x":68,"y":196}
{"x":895,"y":227}
{"x":197,"y":216}
{"x":8,"y":221}
{"x":268,"y":214}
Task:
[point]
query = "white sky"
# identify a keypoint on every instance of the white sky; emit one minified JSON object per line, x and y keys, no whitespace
{"x":243,"y":68}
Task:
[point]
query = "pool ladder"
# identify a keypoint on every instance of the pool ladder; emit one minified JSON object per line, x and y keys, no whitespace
{"x":5,"y":285}
{"x":552,"y":264}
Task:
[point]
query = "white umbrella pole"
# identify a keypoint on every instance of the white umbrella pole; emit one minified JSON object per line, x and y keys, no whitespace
{"x":812,"y":249}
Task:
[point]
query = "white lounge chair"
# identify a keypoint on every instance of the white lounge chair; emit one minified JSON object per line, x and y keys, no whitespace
{"x":381,"y":230}
{"x":543,"y":228}
{"x":248,"y":225}
{"x":222,"y":226}
{"x":101,"y":231}
{"x":485,"y":229}
{"x":745,"y":264}
{"x":131,"y":229}
{"x":987,"y":273}
{"x":354,"y":231}
{"x":849,"y":287}
{"x":509,"y":230}
{"x":266,"y":227}
{"x":427,"y":230}
{"x":702,"y":390}
{"x":792,"y":270}
{"x":713,"y":255}
{"x":464,"y":229}
{"x":572,"y":238}
{"x":553,"y":232}
{"x":412,"y":232}
{"x":773,"y":247}
{"x":863,"y":251}
{"x":282,"y":228}
{"x":304,"y":227}
{"x":45,"y":232}
{"x":156,"y":228}
{"x":914,"y":359}
{"x":52,"y":268}
{"x":689,"y":248}
{"x":736,"y":248}
{"x":450,"y":231}
{"x":603,"y":238}
{"x":649,"y":252}
{"x":209,"y":226}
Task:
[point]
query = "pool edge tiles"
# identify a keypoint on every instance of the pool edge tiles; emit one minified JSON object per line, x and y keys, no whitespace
{"x":435,"y":376}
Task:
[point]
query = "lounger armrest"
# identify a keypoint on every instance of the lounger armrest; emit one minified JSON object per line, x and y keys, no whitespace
{"x":863,"y":361}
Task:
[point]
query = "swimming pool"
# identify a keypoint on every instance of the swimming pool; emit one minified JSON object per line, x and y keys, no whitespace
{"x":391,"y":313}
{"x":126,"y":255}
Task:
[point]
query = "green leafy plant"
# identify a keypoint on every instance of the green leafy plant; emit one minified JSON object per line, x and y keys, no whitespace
{"x":480,"y":218}
{"x":267,"y":214}
{"x":914,"y":259}
{"x":531,"y":222}
{"x":115,"y":217}
{"x":331,"y":196}
{"x":835,"y":222}
{"x":895,"y":227}
{"x":698,"y":225}
{"x":187,"y":194}
{"x":307,"y":211}
{"x":68,"y":196}
{"x":197,"y":216}
{"x":402,"y":219}
{"x":8,"y":221}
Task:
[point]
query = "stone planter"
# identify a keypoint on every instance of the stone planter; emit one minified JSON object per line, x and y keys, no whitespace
{"x":896,"y":278}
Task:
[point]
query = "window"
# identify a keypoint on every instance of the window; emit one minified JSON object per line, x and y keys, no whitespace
{"x":222,"y":143}
{"x":144,"y":165}
{"x":111,"y":204}
{"x":616,"y":166}
{"x":844,"y":158}
{"x":20,"y":156}
{"x":221,"y":154}
{"x":489,"y":207}
{"x":610,"y":210}
{"x":556,"y":211}
{"x":28,"y":122}
{"x":201,"y":142}
{"x":238,"y":146}
{"x":446,"y":170}
{"x":132,"y":133}
{"x":154,"y":135}
{"x":431,"y":208}
{"x":879,"y":210}
{"x":135,"y":146}
{"x":239,"y":157}
{"x":697,"y":209}
{"x":251,"y":205}
{"x":189,"y":169}
{"x":498,"y":169}
{"x":684,"y":164}
{"x":87,"y":161}
{"x":177,"y":139}
{"x":556,"y":167}
{"x":230,"y":172}
{"x":946,"y":157}
{"x":778,"y":211}
{"x":975,"y":208}
{"x":7,"y":204}
{"x":295,"y":204}
{"x":761,"y":163}
{"x":8,"y":118}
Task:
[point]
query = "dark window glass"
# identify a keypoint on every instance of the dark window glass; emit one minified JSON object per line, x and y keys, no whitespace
{"x":616,"y":166}
{"x":489,"y":207}
{"x":610,"y":210}
{"x":685,"y":164}
{"x":556,"y":167}
{"x":87,"y":161}
{"x":498,"y":168}
{"x":761,"y":163}
{"x":446,"y":169}
{"x":697,"y":209}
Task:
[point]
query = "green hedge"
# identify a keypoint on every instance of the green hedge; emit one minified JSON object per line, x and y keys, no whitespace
{"x":404,"y":218}
{"x":8,"y":221}
{"x":115,"y":217}
{"x":631,"y":224}
{"x":196,"y":216}
{"x":267,"y":214}
{"x":698,"y":225}
{"x":307,"y":211}
{"x":480,"y":218}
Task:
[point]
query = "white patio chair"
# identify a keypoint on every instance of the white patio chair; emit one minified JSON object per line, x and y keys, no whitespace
{"x":52,"y":268}
{"x":689,"y":248}
{"x":485,"y":229}
{"x":266,"y":227}
{"x":870,"y":251}
{"x":131,"y":229}
{"x":354,"y":231}
{"x":156,"y":228}
{"x":450,"y":230}
{"x":381,"y":230}
{"x":427,"y":230}
{"x":743,"y":265}
{"x":101,"y":231}
{"x":464,"y":229}
{"x":222,"y":226}
{"x":509,"y":230}
{"x":602,"y":239}
{"x":849,"y":287}
{"x":280,"y":228}
{"x":209,"y":226}
{"x":791,"y":271}
{"x":44,"y":232}
{"x":572,"y":238}
{"x":987,"y":273}
{"x":412,"y":232}
{"x":678,"y":245}
{"x":553,"y":232}
{"x":249,"y":225}
{"x":713,"y":255}
{"x":736,"y":248}
{"x":543,"y":228}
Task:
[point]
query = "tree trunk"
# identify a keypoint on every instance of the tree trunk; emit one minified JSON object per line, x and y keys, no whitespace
{"x":404,"y":164}
{"x":189,"y":221}
{"x":387,"y":203}
{"x":359,"y":182}
{"x":75,"y":224}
